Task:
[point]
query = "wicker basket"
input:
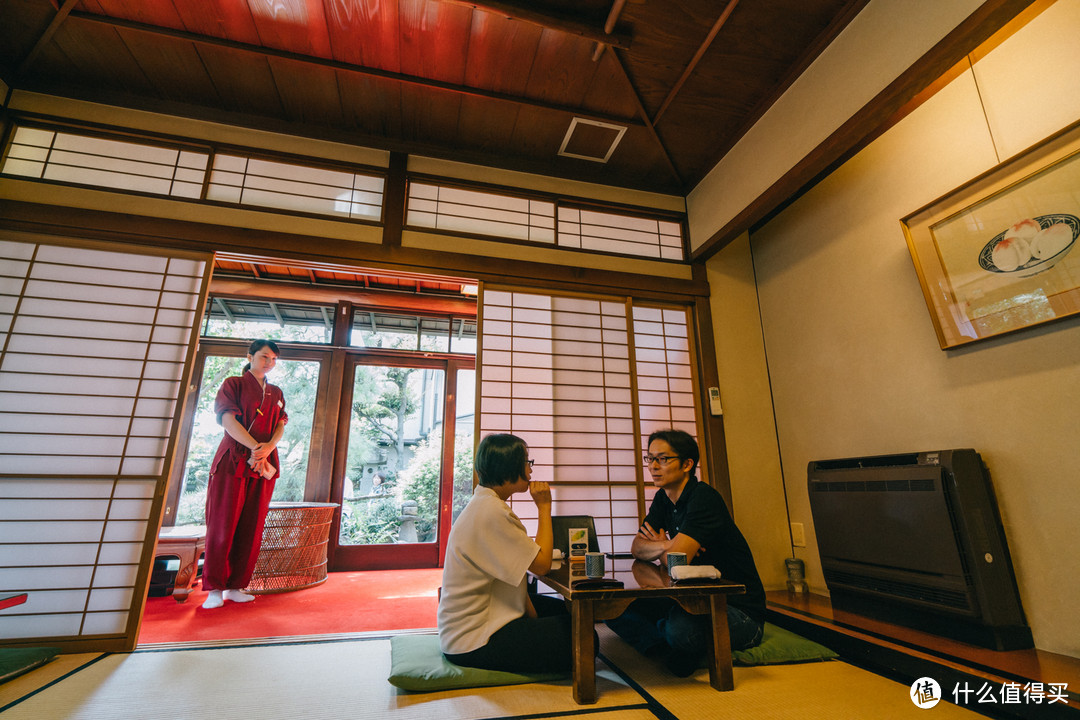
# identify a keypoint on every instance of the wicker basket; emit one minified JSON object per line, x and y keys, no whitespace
{"x":293,"y":553}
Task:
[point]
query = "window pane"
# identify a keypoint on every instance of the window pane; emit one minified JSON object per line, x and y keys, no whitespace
{"x":391,"y":331}
{"x":245,"y":318}
{"x":463,"y":336}
{"x":384,"y":330}
{"x":394,"y":461}
{"x":463,"y":443}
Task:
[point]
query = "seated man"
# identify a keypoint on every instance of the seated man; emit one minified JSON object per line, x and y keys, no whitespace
{"x":689,"y":516}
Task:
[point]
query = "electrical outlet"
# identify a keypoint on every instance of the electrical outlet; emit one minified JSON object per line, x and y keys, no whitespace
{"x":798,"y":535}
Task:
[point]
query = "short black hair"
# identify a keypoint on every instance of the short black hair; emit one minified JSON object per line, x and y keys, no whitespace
{"x":682,"y":442}
{"x":500,"y":459}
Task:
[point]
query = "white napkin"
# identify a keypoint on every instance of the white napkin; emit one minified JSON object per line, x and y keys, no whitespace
{"x":556,"y":554}
{"x":695,"y":572}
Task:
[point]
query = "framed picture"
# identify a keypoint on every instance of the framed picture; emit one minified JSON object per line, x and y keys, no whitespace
{"x":998,"y":254}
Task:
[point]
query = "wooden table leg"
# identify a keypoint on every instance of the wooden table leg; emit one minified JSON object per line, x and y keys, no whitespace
{"x":721,"y":676}
{"x":581,"y":613}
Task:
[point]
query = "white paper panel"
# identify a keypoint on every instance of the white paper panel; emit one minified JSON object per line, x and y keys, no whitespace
{"x":125,"y":530}
{"x":129,"y":509}
{"x":142,"y":466}
{"x":110,"y":599}
{"x":25,"y":402}
{"x":111,"y":576}
{"x":56,"y":464}
{"x":76,"y":273}
{"x":33,"y":626}
{"x":18,"y":554}
{"x":105,"y":623}
{"x":44,"y":307}
{"x":11,"y":509}
{"x":62,"y":490}
{"x":34,"y":578}
{"x":120,"y":553}
{"x":60,"y":445}
{"x":135,"y":488}
{"x":51,"y":601}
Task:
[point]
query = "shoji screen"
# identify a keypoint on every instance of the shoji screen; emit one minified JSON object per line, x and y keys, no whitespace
{"x":560,"y":372}
{"x":665,"y":372}
{"x":93,"y":347}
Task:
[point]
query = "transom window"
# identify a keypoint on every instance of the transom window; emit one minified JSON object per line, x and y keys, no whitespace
{"x":547,"y":221}
{"x":391,"y":331}
{"x":229,"y":317}
{"x":195,"y":171}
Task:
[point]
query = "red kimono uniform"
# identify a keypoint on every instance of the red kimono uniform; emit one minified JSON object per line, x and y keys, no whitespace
{"x":237,"y":497}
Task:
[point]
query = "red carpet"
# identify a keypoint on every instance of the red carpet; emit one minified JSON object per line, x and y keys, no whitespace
{"x":347,"y":602}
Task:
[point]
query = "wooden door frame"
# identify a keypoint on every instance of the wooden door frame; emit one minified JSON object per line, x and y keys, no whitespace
{"x":405,"y":555}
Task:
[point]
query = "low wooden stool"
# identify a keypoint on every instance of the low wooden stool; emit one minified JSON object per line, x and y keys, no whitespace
{"x":187,"y":542}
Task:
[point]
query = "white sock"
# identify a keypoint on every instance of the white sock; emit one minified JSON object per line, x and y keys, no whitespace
{"x":213,"y":600}
{"x":238,"y":596}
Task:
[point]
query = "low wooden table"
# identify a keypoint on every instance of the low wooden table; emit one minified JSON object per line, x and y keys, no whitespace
{"x":640,"y":579}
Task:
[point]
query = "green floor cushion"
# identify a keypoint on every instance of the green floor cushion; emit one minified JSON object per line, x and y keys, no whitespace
{"x":781,"y":646}
{"x":16,"y":661}
{"x":417,"y":664}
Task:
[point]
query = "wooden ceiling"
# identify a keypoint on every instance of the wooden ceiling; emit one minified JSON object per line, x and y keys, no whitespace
{"x":496,"y":83}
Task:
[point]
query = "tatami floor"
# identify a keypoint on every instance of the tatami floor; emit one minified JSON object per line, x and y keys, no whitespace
{"x":344,"y":676}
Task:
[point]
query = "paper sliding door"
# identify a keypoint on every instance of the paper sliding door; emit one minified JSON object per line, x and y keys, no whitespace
{"x":95,"y":346}
{"x":584,"y":380}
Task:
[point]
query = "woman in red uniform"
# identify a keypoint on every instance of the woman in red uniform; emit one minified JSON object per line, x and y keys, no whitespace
{"x":252,"y":412}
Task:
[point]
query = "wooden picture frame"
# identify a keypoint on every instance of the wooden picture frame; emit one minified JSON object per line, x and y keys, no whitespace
{"x":999,"y":254}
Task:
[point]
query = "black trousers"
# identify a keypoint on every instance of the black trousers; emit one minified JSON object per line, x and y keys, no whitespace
{"x":527,"y":645}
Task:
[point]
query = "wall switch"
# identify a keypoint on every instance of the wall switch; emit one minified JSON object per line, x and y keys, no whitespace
{"x":798,"y":535}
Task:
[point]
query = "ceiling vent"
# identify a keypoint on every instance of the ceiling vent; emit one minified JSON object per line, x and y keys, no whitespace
{"x":591,"y":140}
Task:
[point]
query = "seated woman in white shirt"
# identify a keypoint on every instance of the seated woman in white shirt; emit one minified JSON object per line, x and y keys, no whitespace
{"x":487,"y":619}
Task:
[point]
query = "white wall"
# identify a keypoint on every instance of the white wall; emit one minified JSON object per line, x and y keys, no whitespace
{"x":852,"y":354}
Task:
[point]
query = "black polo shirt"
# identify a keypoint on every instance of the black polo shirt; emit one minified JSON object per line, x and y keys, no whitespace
{"x":702,"y":515}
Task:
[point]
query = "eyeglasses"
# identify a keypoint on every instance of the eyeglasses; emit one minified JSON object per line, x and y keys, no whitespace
{"x":660,"y":459}
{"x":530,"y":461}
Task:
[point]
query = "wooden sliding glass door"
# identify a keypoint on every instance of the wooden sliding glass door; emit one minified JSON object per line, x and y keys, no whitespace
{"x":403,"y":440}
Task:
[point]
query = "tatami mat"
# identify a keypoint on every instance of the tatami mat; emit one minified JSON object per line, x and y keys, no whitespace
{"x":346,"y":678}
{"x":58,"y":667}
{"x":311,"y":681}
{"x":806,"y":691}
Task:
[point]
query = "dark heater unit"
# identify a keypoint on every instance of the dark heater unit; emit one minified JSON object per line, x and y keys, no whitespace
{"x":916,"y":539}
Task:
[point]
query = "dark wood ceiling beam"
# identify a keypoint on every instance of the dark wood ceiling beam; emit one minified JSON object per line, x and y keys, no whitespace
{"x":347,"y":67}
{"x":882,"y":112}
{"x":609,"y":26}
{"x":688,"y":71}
{"x":643,"y":113}
{"x":528,"y":12}
{"x":45,"y":38}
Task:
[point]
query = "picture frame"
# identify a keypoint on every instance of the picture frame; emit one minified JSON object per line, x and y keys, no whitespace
{"x":999,"y":253}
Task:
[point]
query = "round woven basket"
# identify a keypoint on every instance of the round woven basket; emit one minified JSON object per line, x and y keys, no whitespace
{"x":293,"y":553}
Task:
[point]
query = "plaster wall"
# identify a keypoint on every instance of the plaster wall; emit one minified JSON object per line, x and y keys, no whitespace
{"x":852,"y":356}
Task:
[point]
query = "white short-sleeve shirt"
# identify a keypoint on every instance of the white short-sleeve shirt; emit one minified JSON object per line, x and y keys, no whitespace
{"x":484,"y":574}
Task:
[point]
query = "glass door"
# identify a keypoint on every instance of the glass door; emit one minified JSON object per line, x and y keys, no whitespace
{"x":396,"y":469}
